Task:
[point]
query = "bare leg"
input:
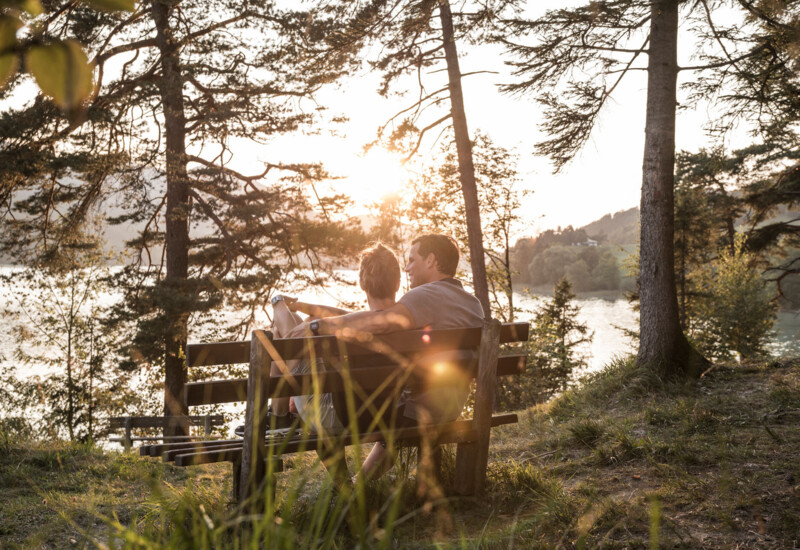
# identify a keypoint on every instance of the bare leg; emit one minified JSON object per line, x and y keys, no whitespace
{"x":283,"y":321}
{"x":377,"y":463}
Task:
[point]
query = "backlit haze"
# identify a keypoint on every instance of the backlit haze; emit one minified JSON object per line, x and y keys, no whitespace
{"x":605,"y":177}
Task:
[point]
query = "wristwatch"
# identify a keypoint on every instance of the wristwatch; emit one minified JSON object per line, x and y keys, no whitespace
{"x":314,"y":326}
{"x":275,"y":299}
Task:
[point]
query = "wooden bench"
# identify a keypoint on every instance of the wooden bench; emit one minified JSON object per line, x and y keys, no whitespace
{"x":129,"y":423}
{"x":401,"y":360}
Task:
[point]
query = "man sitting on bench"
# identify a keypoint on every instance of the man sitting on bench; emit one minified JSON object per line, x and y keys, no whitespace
{"x":436,"y":301}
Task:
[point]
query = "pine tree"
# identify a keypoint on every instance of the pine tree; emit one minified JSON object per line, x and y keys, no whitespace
{"x":763,"y":91}
{"x":718,"y":190}
{"x":434,"y":206}
{"x":414,"y":36}
{"x":553,"y":351}
{"x":179,"y":89}
{"x":579,"y":59}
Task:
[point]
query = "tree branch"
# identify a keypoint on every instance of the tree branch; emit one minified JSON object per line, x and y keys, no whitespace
{"x":422,"y":134}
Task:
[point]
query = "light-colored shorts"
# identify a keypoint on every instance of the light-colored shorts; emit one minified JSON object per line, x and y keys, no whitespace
{"x":317,"y":410}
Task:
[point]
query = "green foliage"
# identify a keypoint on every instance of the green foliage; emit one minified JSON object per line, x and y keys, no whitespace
{"x":553,"y":352}
{"x":735,"y":315}
{"x":60,"y":66}
{"x":56,"y":316}
{"x":586,"y":267}
{"x":62,"y":72}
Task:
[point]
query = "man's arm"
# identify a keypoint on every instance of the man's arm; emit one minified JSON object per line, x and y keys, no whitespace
{"x":397,"y":317}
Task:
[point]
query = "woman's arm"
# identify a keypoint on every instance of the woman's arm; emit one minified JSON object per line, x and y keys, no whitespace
{"x":314,"y":310}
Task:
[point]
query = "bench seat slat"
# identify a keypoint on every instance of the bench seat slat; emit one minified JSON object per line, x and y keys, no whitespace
{"x":224,"y":353}
{"x":230,"y":391}
{"x":459,"y":431}
{"x":158,"y":449}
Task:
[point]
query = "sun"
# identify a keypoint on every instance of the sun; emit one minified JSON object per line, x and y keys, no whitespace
{"x":374,"y":175}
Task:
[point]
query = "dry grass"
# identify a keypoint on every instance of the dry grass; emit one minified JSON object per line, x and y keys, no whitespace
{"x":622,"y":462}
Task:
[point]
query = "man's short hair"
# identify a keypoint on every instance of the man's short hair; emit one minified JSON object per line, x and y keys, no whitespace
{"x":443,"y":248}
{"x":379,"y":273}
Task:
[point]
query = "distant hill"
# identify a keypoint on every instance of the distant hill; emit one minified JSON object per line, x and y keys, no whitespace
{"x":620,"y":228}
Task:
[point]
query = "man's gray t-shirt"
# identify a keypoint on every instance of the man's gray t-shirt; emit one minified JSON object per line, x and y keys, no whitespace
{"x":440,"y":305}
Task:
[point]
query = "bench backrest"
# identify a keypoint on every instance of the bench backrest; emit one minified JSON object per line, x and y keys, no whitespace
{"x":420,"y":351}
{"x":404,"y":343}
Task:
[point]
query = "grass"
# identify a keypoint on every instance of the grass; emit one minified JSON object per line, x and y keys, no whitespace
{"x":623,"y":461}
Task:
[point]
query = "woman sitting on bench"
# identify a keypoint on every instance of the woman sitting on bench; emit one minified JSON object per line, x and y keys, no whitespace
{"x":379,"y":277}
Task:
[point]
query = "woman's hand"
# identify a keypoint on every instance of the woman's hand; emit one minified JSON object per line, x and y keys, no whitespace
{"x":288,"y":300}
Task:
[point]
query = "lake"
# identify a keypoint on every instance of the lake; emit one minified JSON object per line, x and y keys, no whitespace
{"x":606,"y":314}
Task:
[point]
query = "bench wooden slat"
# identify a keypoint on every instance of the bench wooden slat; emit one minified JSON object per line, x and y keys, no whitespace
{"x":459,"y":431}
{"x":224,"y":353}
{"x":157,"y":438}
{"x":120,"y":422}
{"x":157,"y":449}
{"x":231,"y":391}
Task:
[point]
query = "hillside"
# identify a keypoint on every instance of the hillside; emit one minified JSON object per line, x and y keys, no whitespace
{"x":616,"y":463}
{"x":620,"y":228}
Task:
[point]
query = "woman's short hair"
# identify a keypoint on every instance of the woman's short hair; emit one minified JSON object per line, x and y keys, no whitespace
{"x":379,"y":273}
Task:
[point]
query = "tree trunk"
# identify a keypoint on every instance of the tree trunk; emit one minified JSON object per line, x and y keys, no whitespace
{"x":70,"y":382}
{"x":466,"y":168}
{"x":682,"y":319}
{"x":662,"y":345}
{"x":177,"y":217}
{"x":509,"y":281}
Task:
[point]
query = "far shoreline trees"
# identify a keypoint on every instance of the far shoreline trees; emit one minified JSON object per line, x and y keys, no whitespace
{"x":579,"y":58}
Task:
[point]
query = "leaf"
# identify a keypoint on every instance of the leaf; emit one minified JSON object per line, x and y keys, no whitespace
{"x":8,"y":67}
{"x":8,"y":31}
{"x":62,"y":72}
{"x":33,"y":7}
{"x":112,"y":5}
{"x":8,"y":37}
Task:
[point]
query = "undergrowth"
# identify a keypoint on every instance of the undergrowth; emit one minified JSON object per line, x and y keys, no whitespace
{"x":621,"y":461}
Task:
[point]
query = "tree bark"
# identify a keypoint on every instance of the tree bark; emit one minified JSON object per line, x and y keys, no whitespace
{"x":177,"y":217}
{"x":662,"y":346}
{"x":466,"y":167}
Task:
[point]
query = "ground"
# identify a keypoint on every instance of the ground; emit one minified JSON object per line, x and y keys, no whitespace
{"x":621,"y":462}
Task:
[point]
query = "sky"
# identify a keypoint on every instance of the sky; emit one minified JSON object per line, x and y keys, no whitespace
{"x":605,"y":176}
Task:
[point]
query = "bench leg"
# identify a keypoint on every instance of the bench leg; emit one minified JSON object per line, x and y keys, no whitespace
{"x":128,"y":443}
{"x":237,"y":474}
{"x":436,"y":464}
{"x":254,"y":452}
{"x":472,"y":458}
{"x":466,"y":459}
{"x":429,"y":471}
{"x":277,"y":466}
{"x":335,"y":463}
